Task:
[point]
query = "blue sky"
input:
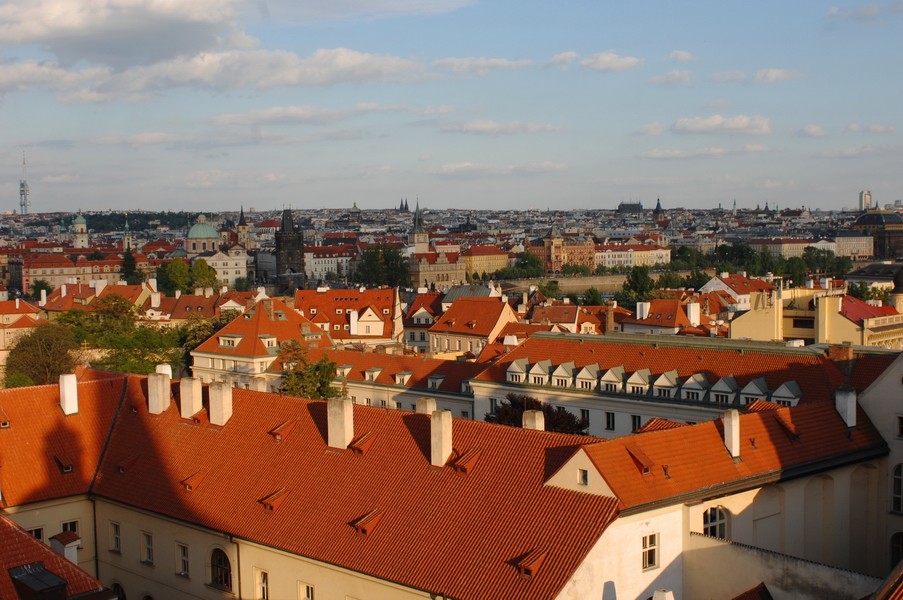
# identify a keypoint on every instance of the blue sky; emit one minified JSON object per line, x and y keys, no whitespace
{"x":210,"y":104}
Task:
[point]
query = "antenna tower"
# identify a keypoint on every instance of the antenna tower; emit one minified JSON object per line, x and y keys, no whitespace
{"x":24,"y":202}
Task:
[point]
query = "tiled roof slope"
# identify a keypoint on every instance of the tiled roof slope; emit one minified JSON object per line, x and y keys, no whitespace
{"x":772,"y":445}
{"x":662,"y":313}
{"x":41,"y":440}
{"x":435,"y":533}
{"x":816,"y":375}
{"x":326,"y":303}
{"x":856,"y":310}
{"x":471,"y":316}
{"x":18,"y":547}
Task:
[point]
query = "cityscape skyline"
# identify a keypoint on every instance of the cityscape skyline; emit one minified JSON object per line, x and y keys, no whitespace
{"x":142,"y":104}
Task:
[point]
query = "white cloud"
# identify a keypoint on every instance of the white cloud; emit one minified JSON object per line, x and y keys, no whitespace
{"x":672,"y":78}
{"x":729,"y":76}
{"x":495,"y":129}
{"x":121,"y":33}
{"x":709,"y":152}
{"x":480,"y":66}
{"x":470,"y":169}
{"x":282,"y":115}
{"x":144,"y":139}
{"x":812,"y":131}
{"x":741,"y":124}
{"x":563,"y":60}
{"x":682,"y":56}
{"x":654,"y":128}
{"x":858,"y":151}
{"x":317,"y":10}
{"x":25,"y":75}
{"x":775,"y":75}
{"x":875,"y":128}
{"x":869,"y":12}
{"x":611,"y":61}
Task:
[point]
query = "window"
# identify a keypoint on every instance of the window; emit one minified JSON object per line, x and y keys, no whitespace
{"x":70,"y":526}
{"x":115,"y":537}
{"x":37,"y":533}
{"x":465,"y":414}
{"x":650,"y":551}
{"x":714,"y":523}
{"x":584,"y":415}
{"x":493,"y":405}
{"x":721,"y":398}
{"x":305,"y":592}
{"x":220,"y":570}
{"x":691,"y":395}
{"x":263,"y":585}
{"x":182,"y":566}
{"x":637,"y":389}
{"x":636,"y":421}
{"x":611,"y":387}
{"x":561,"y":382}
{"x":582,"y":477}
{"x":897,"y":493}
{"x":147,"y":548}
{"x":609,"y":421}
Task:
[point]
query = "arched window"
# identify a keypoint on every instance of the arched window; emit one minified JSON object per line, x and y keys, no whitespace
{"x":896,"y":503}
{"x":714,"y":522}
{"x":220,"y":570}
{"x":120,"y":593}
{"x":896,"y":548}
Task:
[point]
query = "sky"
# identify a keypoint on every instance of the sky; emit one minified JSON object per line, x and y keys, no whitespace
{"x":215,"y":104}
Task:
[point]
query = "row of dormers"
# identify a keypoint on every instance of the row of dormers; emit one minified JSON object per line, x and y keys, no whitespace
{"x":696,"y":387}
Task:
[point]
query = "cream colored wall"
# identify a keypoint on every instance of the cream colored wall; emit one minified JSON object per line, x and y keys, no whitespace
{"x":159,"y":580}
{"x":51,"y":515}
{"x":614,"y":567}
{"x":403,"y":398}
{"x":287,"y":572}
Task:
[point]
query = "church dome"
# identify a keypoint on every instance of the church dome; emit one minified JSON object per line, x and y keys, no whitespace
{"x":79,"y":220}
{"x":201,"y":230}
{"x":878,"y":219}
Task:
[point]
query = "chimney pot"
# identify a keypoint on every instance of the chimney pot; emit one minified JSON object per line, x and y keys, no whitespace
{"x":69,"y":393}
{"x":340,"y":422}
{"x":158,"y":393}
{"x":534,"y":419}
{"x":440,"y":437}
{"x":220,"y":402}
{"x":426,"y":406}
{"x":732,"y":432}
{"x":190,"y":397}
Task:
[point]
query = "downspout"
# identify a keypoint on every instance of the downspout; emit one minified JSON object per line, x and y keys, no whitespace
{"x":237,"y":563}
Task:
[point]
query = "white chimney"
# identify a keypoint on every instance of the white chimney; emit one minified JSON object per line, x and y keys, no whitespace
{"x":158,"y":393}
{"x":663,"y":595}
{"x":440,"y":437}
{"x":208,"y":292}
{"x":534,"y":419}
{"x":17,"y":304}
{"x":63,"y":290}
{"x":152,"y":284}
{"x":224,"y":289}
{"x":693,"y":313}
{"x":340,"y":422}
{"x":353,"y":322}
{"x":845,"y":403}
{"x":99,"y":286}
{"x":220,"y":402}
{"x":155,"y":299}
{"x":426,"y":406}
{"x":190,"y":397}
{"x":165,"y":369}
{"x":198,"y":291}
{"x":69,"y":393}
{"x":642,"y":309}
{"x":732,"y":432}
{"x":43,"y":299}
{"x":178,"y":294}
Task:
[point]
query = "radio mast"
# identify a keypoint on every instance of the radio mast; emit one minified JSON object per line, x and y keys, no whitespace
{"x":24,"y":202}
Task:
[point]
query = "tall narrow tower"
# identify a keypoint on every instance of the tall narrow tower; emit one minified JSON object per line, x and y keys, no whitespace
{"x":865,"y":200}
{"x":24,"y":202}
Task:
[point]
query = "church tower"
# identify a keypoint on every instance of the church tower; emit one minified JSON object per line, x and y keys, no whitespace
{"x":290,"y":253}
{"x":243,"y":231}
{"x":418,"y":236}
{"x":80,"y":230}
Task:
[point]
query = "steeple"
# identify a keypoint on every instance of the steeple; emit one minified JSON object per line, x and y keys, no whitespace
{"x":241,"y":217}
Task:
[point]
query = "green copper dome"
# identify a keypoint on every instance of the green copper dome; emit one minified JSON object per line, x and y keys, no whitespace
{"x":201,"y":230}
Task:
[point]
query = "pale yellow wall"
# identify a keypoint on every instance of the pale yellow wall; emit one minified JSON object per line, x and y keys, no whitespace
{"x":50,"y":515}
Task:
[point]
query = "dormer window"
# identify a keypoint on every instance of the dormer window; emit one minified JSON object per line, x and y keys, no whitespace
{"x":313,"y":311}
{"x":513,"y":378}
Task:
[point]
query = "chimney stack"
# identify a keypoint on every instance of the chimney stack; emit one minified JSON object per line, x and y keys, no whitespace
{"x":693,"y":313}
{"x":190,"y":397}
{"x":152,"y":284}
{"x":340,"y":422}
{"x":158,"y":393}
{"x":426,"y":406}
{"x":220,"y":402}
{"x":440,"y":437}
{"x":69,"y":393}
{"x":43,"y":300}
{"x":155,"y":299}
{"x":534,"y":419}
{"x":845,"y":403}
{"x":642,"y":309}
{"x":178,"y":294}
{"x":63,"y":290}
{"x":732,"y":432}
{"x":165,"y":369}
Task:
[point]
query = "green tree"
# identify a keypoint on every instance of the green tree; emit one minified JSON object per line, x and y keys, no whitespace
{"x":592,"y":297}
{"x":511,"y":410}
{"x":572,"y":269}
{"x":669,"y":280}
{"x":859,"y":290}
{"x":140,"y":351}
{"x":202,"y":274}
{"x":550,"y":289}
{"x":42,"y":355}
{"x":129,"y":270}
{"x":243,"y":285}
{"x":173,"y":276}
{"x":305,"y":379}
{"x":639,"y":283}
{"x":696,"y":279}
{"x":40,"y":284}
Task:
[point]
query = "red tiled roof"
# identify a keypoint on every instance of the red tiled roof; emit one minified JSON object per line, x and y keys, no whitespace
{"x":12,"y":307}
{"x":760,"y":592}
{"x":816,"y":375}
{"x":429,"y":301}
{"x":658,"y":424}
{"x":563,"y":313}
{"x":18,"y":548}
{"x":744,"y":285}
{"x":662,"y":313}
{"x":697,"y":459}
{"x":856,"y":310}
{"x":323,"y":493}
{"x":322,"y":306}
{"x":473,"y":316}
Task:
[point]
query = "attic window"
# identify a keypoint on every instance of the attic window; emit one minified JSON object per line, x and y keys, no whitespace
{"x":367,"y":524}
{"x":4,"y":424}
{"x":362,"y":443}
{"x":190,"y":483}
{"x":274,"y":500}
{"x":281,"y":431}
{"x":64,"y":463}
{"x":127,"y":463}
{"x":385,"y":311}
{"x":466,"y":462}
{"x":642,"y":460}
{"x":313,"y":311}
{"x":529,"y":564}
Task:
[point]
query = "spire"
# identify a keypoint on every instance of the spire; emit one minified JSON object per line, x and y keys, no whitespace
{"x":241,"y":217}
{"x":418,"y":219}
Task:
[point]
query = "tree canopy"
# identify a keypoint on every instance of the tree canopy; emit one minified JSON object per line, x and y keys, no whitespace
{"x":511,"y":410}
{"x":305,"y":379}
{"x":42,"y":356}
{"x":173,"y":276}
{"x":202,"y":274}
{"x":383,"y":265}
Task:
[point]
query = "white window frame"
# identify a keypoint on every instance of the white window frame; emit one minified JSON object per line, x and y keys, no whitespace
{"x":651,"y":551}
